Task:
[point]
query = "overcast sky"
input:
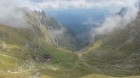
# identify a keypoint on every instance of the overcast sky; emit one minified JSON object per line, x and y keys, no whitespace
{"x":66,"y":4}
{"x":7,"y":7}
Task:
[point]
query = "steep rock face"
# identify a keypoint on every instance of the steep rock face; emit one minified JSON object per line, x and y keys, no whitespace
{"x":40,"y":43}
{"x":50,"y":30}
{"x":43,"y":36}
{"x":22,"y":49}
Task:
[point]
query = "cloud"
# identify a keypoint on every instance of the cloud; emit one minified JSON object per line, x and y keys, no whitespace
{"x":117,"y":21}
{"x":10,"y":14}
{"x":65,"y":4}
{"x":91,"y":22}
{"x":110,"y":24}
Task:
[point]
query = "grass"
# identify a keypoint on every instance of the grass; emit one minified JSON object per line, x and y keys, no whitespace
{"x":116,"y":55}
{"x":16,"y":75}
{"x":62,"y":61}
{"x":104,"y":76}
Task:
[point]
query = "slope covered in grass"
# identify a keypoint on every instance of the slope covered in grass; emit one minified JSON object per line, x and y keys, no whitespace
{"x":117,"y":53}
{"x":25,"y":55}
{"x":27,"y":52}
{"x":104,"y":76}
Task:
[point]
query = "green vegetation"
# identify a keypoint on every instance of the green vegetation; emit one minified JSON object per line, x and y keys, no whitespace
{"x":117,"y":53}
{"x":22,"y":58}
{"x":104,"y":76}
{"x":33,"y":53}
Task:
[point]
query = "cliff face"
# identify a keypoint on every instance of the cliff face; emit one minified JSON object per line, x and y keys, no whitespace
{"x":43,"y":42}
{"x":42,"y":47}
{"x":50,"y":30}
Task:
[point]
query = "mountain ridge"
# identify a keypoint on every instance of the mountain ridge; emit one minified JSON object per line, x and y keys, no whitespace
{"x":118,"y":51}
{"x":48,"y":50}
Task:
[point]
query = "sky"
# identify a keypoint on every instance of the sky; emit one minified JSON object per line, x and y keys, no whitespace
{"x":84,"y":3}
{"x":66,"y":4}
{"x":8,"y":7}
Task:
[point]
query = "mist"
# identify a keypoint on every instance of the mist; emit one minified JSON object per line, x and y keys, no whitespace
{"x":11,"y":16}
{"x":129,"y":13}
{"x":10,"y":13}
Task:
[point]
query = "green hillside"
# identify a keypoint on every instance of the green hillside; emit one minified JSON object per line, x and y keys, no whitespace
{"x":104,"y":76}
{"x":34,"y":52}
{"x":24,"y":54}
{"x":117,"y":53}
{"x":48,"y":50}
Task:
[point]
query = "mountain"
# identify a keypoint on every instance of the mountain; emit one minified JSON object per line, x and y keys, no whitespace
{"x":80,"y":23}
{"x":23,"y":53}
{"x":41,"y":47}
{"x":46,"y":49}
{"x":104,"y":76}
{"x":117,"y":53}
{"x":54,"y":33}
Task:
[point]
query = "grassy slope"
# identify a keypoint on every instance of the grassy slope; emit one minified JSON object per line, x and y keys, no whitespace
{"x":14,"y":55}
{"x":63,"y":63}
{"x":18,"y":61}
{"x":118,"y":53}
{"x":104,"y":76}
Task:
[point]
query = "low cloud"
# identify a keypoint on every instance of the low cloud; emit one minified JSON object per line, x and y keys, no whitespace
{"x":90,"y":22}
{"x":10,"y":14}
{"x":66,"y":4}
{"x":118,"y":21}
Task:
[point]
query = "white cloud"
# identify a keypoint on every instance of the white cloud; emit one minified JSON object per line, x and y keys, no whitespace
{"x":9,"y":14}
{"x":63,"y":4}
{"x":91,"y":22}
{"x":116,"y":21}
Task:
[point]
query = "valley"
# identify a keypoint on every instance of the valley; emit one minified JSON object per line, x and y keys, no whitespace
{"x":40,"y":45}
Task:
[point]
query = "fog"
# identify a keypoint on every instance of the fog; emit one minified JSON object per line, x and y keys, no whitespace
{"x":11,"y":16}
{"x":10,"y":13}
{"x":127,"y":13}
